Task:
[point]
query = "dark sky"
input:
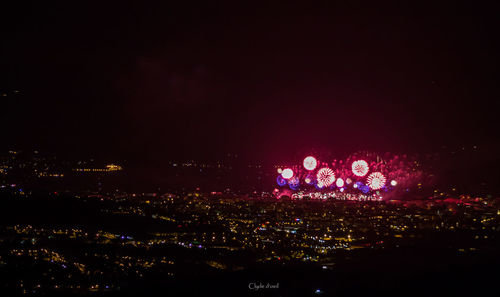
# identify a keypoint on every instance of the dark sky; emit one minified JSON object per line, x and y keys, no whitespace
{"x":263,"y":80}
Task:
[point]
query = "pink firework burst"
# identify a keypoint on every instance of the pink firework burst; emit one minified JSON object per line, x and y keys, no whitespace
{"x":360,"y":167}
{"x":325,"y":176}
{"x":376,"y":181}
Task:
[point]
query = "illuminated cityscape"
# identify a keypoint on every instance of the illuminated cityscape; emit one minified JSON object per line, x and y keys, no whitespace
{"x":125,"y":240}
{"x":213,"y":233}
{"x":244,"y":148}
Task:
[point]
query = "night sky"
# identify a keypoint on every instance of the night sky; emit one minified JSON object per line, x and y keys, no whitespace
{"x":266,"y":81}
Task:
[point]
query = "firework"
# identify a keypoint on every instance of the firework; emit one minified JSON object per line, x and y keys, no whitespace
{"x":376,"y":180}
{"x":325,"y":176}
{"x":360,"y":167}
{"x":293,"y":183}
{"x":280,"y":181}
{"x":287,"y":173}
{"x":310,"y":163}
{"x":319,"y":185}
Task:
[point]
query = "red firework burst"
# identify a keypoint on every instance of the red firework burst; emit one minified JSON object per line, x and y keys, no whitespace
{"x":360,"y":167}
{"x":376,"y":181}
{"x":325,"y":176}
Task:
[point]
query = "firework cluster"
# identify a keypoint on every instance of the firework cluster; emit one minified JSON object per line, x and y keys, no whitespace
{"x":363,"y":173}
